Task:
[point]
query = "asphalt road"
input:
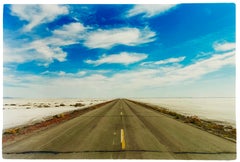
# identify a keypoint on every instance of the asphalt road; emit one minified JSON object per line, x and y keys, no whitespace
{"x":122,"y":130}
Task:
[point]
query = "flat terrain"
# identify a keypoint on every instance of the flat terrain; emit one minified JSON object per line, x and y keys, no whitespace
{"x":121,"y":130}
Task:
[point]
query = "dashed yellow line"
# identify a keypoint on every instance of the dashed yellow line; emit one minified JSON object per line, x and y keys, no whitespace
{"x":123,"y":142}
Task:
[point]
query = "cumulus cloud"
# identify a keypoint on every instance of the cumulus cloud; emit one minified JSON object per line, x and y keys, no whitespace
{"x":38,"y":14}
{"x":122,"y":58}
{"x":150,"y":10}
{"x":121,"y":36}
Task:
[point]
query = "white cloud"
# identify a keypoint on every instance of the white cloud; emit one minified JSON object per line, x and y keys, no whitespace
{"x":68,"y":34}
{"x":18,"y":53}
{"x":122,"y":58}
{"x":170,"y":60}
{"x":150,"y":10}
{"x":38,"y":14}
{"x":48,"y":49}
{"x":81,"y":73}
{"x":122,"y":36}
{"x":125,"y":83}
{"x":71,"y":29}
{"x":12,"y":55}
{"x":39,"y":50}
{"x":175,"y":74}
{"x":225,"y":46}
{"x":64,"y":74}
{"x":47,"y":53}
{"x":172,"y":75}
{"x":163,"y":62}
{"x":203,"y":67}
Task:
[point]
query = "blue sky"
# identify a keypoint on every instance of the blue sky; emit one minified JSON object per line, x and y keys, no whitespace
{"x":180,"y":50}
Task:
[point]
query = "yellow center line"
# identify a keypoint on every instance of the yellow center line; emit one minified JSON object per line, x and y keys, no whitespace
{"x":123,"y":140}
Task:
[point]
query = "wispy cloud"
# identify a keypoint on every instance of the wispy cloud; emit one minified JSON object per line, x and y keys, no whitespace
{"x":149,"y":10}
{"x":224,"y":46}
{"x":163,"y":62}
{"x":200,"y":68}
{"x":38,"y":14}
{"x":175,"y":74}
{"x":120,"y":36}
{"x":122,"y":58}
{"x":63,"y":74}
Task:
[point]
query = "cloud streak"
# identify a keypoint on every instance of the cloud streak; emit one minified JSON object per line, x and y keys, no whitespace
{"x":163,"y":62}
{"x":149,"y":10}
{"x":122,"y":58}
{"x":120,"y":36}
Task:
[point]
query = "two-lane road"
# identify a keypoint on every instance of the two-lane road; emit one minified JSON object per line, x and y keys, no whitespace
{"x":122,"y":130}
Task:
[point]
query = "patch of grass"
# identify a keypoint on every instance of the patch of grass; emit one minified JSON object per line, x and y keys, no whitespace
{"x":62,"y":115}
{"x":79,"y":105}
{"x":43,"y":105}
{"x":11,"y":131}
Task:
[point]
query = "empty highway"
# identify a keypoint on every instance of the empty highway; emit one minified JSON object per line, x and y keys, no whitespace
{"x":121,"y":130}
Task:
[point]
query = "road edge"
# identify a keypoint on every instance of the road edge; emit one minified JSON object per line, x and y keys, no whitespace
{"x":224,"y":131}
{"x":15,"y":133}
